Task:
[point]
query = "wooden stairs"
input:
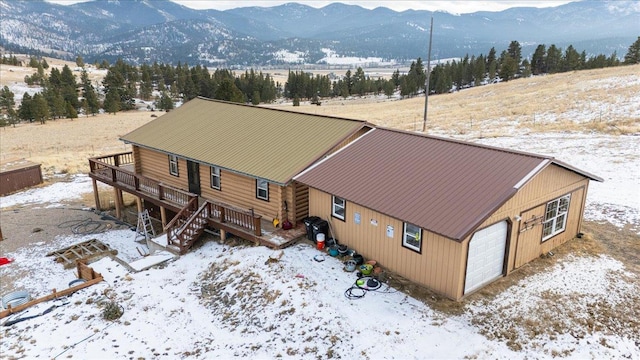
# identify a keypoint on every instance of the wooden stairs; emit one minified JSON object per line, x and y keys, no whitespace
{"x":187,"y":226}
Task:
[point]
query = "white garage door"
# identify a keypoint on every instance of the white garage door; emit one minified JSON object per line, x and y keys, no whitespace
{"x":486,"y":256}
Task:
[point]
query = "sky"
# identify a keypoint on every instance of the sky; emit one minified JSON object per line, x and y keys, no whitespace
{"x":459,"y":7}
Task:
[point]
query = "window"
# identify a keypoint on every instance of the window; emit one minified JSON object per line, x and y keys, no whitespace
{"x":337,"y":208}
{"x":173,"y":165}
{"x":262,"y":189}
{"x":555,"y":217}
{"x":215,"y":177}
{"x":412,"y":237}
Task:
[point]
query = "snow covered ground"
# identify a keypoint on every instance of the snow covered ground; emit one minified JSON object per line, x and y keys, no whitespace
{"x":220,"y":301}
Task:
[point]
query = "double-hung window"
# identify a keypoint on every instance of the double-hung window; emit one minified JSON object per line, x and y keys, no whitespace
{"x":338,"y":206}
{"x":262,"y":189}
{"x":555,"y":217}
{"x":412,"y":237}
{"x":173,"y":165}
{"x":215,"y":177}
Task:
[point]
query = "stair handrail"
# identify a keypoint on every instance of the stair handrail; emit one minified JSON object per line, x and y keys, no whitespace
{"x":182,"y":214}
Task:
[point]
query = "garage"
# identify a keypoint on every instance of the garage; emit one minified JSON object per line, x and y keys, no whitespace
{"x":485,"y":260}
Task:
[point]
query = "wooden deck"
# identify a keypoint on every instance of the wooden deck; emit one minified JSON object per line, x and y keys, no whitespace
{"x":193,"y":212}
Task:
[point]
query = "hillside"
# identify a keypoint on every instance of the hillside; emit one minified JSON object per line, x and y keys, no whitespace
{"x":596,"y":101}
{"x":291,"y":34}
{"x":603,"y":101}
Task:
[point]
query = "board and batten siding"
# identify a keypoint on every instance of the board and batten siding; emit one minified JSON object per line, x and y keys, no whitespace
{"x":437,"y":266}
{"x":530,"y":202}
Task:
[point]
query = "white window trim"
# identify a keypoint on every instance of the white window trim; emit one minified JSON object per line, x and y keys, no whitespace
{"x":264,"y":188}
{"x":553,"y":219}
{"x":416,"y":236}
{"x":173,"y":165}
{"x":335,"y":207}
{"x":215,"y":173}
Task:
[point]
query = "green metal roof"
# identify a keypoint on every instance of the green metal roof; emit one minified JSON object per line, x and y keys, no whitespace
{"x":259,"y":142}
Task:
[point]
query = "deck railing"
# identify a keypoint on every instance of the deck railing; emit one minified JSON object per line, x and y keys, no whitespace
{"x":187,"y":225}
{"x":245,"y":219}
{"x":108,"y":168}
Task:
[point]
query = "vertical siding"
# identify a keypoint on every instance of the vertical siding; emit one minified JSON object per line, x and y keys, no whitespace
{"x":530,"y":201}
{"x":18,"y":179}
{"x":437,"y":266}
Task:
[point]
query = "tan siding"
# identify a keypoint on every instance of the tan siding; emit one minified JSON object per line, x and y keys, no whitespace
{"x":350,"y":139}
{"x":240,"y":191}
{"x":289,"y":197}
{"x":237,"y":190}
{"x":301,"y":200}
{"x":530,"y":201}
{"x":435,"y":267}
{"x":155,"y":165}
{"x":136,"y":160}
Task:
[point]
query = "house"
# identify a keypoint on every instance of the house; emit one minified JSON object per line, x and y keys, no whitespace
{"x":450,"y":215}
{"x":226,"y":165}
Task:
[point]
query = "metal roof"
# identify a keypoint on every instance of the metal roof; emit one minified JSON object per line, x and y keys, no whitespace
{"x":250,"y":140}
{"x":446,"y":186}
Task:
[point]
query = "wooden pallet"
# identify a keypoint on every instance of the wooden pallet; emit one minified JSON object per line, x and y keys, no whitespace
{"x":88,"y":250}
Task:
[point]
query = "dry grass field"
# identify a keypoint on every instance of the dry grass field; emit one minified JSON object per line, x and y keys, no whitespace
{"x":593,"y":100}
{"x":603,"y":101}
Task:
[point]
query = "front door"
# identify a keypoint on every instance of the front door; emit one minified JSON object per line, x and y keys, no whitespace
{"x":193,"y":171}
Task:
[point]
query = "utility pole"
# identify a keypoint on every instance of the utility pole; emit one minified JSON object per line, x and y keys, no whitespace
{"x":426,"y":82}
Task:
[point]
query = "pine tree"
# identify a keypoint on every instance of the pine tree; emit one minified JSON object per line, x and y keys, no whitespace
{"x":389,"y":88}
{"x":90,"y":103}
{"x":515,"y":51}
{"x":24,"y":112}
{"x":146,"y":86}
{"x":79,"y":61}
{"x":68,"y":87}
{"x":40,"y":108}
{"x":228,"y":91}
{"x":71,"y":112}
{"x":539,"y":61}
{"x":112,"y":101}
{"x":633,"y":54}
{"x":7,"y":101}
{"x":571,"y":60}
{"x":554,"y":57}
{"x":508,"y":67}
{"x":165,"y":103}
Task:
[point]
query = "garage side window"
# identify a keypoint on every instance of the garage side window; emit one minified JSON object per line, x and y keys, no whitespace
{"x":338,"y":208}
{"x":555,"y":217}
{"x":412,"y":237}
{"x":215,"y":177}
{"x":173,"y":165}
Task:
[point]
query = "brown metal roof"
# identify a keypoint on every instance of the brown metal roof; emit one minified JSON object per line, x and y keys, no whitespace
{"x":445,"y":186}
{"x":255,"y":141}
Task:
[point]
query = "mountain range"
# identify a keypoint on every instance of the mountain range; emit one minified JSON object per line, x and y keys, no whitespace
{"x":140,"y":31}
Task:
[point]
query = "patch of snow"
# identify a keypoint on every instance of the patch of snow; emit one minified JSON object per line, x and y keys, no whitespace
{"x":53,"y":194}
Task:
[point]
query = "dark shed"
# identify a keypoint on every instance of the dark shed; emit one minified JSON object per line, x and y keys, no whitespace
{"x":18,"y":174}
